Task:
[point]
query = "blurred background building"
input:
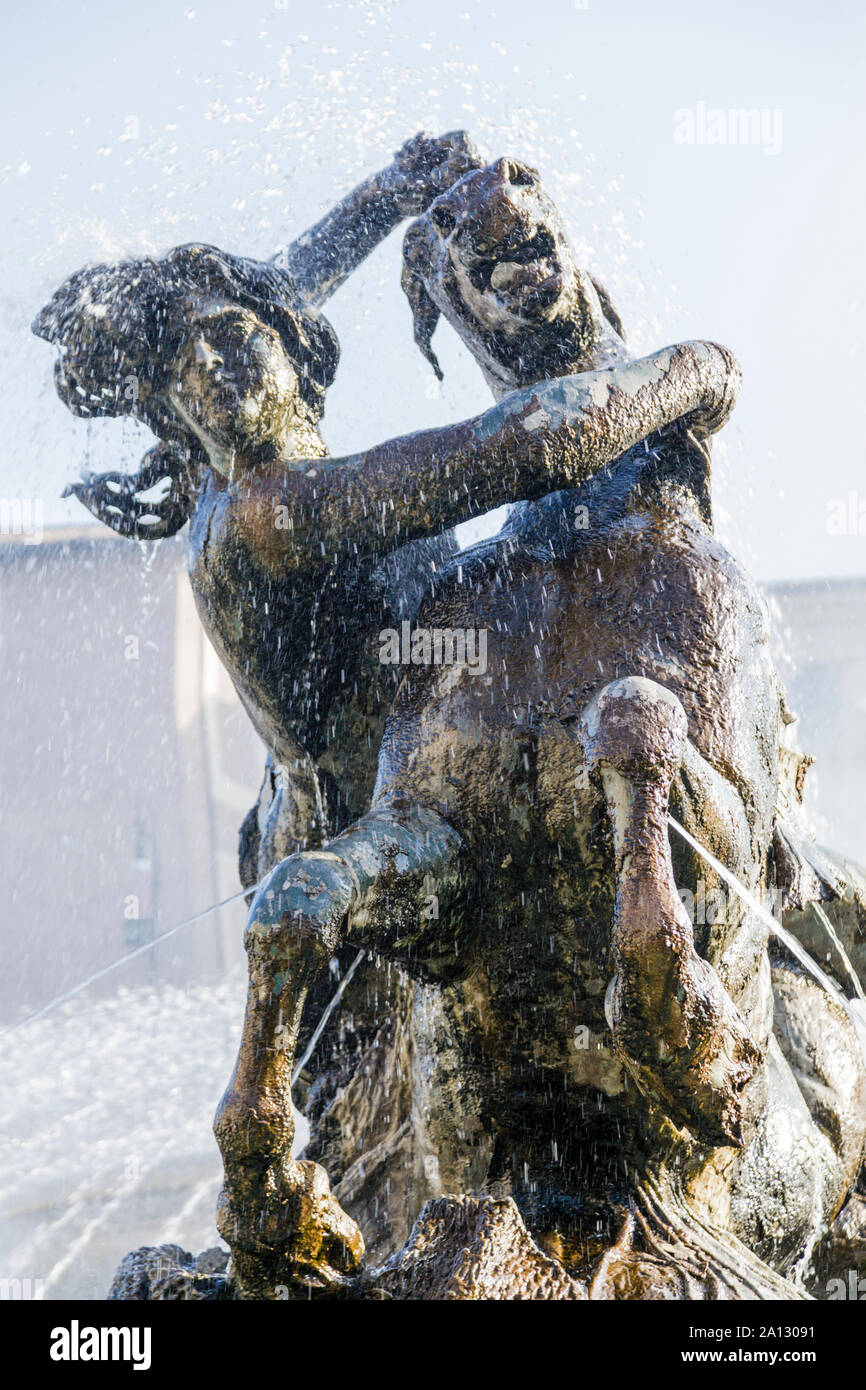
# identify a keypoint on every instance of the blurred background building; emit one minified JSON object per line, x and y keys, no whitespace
{"x":819,"y":636}
{"x":126,"y":766}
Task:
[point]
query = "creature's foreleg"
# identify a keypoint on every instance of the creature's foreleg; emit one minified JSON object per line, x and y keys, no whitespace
{"x":674,"y":1024}
{"x":372,"y":884}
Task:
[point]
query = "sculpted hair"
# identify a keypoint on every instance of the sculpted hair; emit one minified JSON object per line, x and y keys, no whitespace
{"x":418,"y":251}
{"x":121,"y":326}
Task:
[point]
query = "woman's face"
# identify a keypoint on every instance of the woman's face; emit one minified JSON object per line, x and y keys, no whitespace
{"x":234,"y":385}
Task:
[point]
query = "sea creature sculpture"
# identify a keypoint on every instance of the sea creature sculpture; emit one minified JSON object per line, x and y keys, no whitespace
{"x":643,"y":1104}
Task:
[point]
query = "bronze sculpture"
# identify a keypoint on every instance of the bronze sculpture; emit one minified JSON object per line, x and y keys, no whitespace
{"x":628,"y":666}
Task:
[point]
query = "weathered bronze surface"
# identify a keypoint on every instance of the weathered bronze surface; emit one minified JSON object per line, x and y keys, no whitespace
{"x":628,"y":1100}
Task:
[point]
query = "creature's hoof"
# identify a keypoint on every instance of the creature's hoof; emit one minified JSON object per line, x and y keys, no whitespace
{"x":674,"y":1026}
{"x":473,"y":1249}
{"x":288,"y":1235}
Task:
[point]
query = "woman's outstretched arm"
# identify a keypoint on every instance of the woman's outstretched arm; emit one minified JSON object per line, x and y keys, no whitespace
{"x":325,"y":256}
{"x":537,"y":440}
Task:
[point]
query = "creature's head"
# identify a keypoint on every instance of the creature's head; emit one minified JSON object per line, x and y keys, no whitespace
{"x":198,"y":343}
{"x":492,"y":257}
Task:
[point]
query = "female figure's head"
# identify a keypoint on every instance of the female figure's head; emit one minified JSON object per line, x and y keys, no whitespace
{"x":214,"y":352}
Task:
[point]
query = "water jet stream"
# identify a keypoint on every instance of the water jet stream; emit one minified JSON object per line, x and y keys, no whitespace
{"x":122,"y":960}
{"x":789,"y":941}
{"x":834,"y":937}
{"x":326,"y":1014}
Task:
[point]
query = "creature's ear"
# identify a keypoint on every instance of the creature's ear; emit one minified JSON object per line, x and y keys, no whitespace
{"x":608,"y":308}
{"x":425,"y":315}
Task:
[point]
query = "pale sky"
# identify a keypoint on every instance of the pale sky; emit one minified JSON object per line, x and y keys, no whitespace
{"x":138,"y":127}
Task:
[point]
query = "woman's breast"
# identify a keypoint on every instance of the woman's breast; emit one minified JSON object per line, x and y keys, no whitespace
{"x":245,"y":620}
{"x":298,"y":645}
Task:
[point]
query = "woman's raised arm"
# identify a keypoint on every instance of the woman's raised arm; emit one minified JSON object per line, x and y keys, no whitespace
{"x":325,"y":256}
{"x":537,"y":440}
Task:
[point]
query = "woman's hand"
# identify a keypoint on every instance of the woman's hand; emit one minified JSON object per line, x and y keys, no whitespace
{"x":113,"y":497}
{"x":428,"y":165}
